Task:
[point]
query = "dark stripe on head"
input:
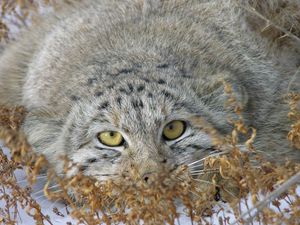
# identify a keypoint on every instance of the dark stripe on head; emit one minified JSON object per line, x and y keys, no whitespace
{"x":119,"y":100}
{"x":137,"y":103}
{"x":162,"y":66}
{"x":161,"y":81}
{"x":145,"y":79}
{"x":125,"y":71}
{"x":167,"y":94}
{"x":75,"y":98}
{"x":104,"y":105}
{"x":91,"y":81}
{"x":98,"y":93}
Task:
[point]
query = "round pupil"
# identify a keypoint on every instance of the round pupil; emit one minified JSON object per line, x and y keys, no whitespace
{"x":171,"y":126}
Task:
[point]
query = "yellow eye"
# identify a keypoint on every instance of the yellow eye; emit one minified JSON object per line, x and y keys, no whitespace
{"x":174,"y":130}
{"x":111,"y":138}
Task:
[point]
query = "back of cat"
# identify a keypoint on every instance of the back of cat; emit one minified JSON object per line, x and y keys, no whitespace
{"x":40,"y":69}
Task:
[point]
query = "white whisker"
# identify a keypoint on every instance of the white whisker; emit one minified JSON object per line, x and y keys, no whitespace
{"x":204,"y":170}
{"x":26,"y":179}
{"x":184,"y":160}
{"x":105,"y":174}
{"x":229,"y":192}
{"x":40,"y":191}
{"x":212,"y":155}
{"x":52,"y":205}
{"x":203,"y":181}
{"x":42,"y":195}
{"x":195,"y":194}
{"x":196,"y":166}
{"x":39,"y":197}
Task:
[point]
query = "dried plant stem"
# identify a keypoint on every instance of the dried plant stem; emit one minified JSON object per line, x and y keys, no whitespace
{"x":269,"y":198}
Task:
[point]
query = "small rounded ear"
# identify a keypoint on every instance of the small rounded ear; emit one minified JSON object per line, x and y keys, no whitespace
{"x":150,"y":6}
{"x":274,"y":19}
{"x":276,"y":25}
{"x":213,"y":91}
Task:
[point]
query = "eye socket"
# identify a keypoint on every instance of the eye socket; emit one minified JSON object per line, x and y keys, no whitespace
{"x":174,"y":130}
{"x":111,"y":138}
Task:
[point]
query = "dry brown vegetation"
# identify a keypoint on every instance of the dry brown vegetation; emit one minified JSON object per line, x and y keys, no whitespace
{"x":230,"y":177}
{"x":131,"y":201}
{"x":15,"y":14}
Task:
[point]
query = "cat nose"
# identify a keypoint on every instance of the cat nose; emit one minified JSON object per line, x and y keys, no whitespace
{"x":164,"y":160}
{"x":148,"y":178}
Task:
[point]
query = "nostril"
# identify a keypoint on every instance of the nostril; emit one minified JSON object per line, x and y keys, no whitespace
{"x":146,"y":178}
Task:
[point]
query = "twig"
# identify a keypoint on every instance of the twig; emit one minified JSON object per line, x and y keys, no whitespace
{"x":262,"y":204}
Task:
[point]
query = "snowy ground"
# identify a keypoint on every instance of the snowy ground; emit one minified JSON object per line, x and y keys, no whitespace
{"x":47,"y":206}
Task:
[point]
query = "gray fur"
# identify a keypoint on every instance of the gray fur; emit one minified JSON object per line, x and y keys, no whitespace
{"x":133,"y":67}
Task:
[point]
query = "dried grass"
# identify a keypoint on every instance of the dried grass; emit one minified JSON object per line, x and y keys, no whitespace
{"x":131,"y":201}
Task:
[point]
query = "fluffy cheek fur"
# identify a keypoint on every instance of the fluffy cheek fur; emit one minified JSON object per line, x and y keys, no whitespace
{"x":104,"y":164}
{"x":98,"y":163}
{"x":141,"y":128}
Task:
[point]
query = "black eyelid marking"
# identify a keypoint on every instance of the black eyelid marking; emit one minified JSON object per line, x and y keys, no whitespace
{"x":162,"y":66}
{"x":212,"y":148}
{"x":92,"y":160}
{"x":194,"y":146}
{"x":107,"y":149}
{"x":99,"y":148}
{"x":161,"y":81}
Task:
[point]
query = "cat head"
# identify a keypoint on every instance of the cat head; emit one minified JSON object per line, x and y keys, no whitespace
{"x":148,"y":123}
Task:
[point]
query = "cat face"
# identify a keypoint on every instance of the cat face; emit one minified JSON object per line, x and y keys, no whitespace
{"x":142,"y":122}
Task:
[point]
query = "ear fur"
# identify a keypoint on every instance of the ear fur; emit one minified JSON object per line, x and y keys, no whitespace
{"x":150,"y":6}
{"x":276,"y":27}
{"x":276,"y":20}
{"x":214,"y":92}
